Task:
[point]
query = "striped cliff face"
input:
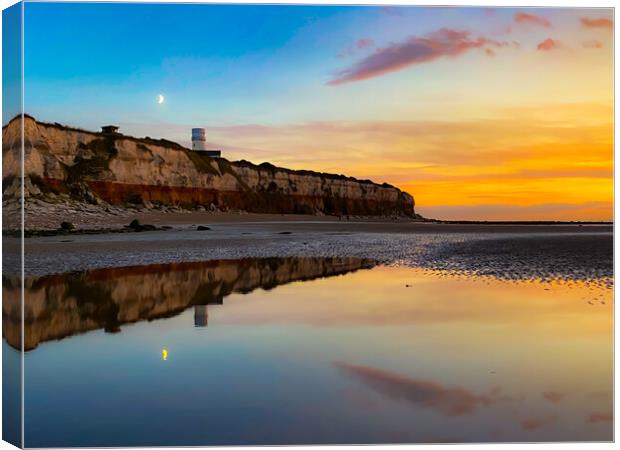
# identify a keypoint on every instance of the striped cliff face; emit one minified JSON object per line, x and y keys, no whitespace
{"x":120,"y":169}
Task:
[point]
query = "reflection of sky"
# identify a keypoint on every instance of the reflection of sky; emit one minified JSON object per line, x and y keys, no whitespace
{"x":484,"y":124}
{"x":354,"y":358}
{"x":11,"y":394}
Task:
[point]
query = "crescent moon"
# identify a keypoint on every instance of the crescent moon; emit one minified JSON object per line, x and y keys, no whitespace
{"x":160,"y":99}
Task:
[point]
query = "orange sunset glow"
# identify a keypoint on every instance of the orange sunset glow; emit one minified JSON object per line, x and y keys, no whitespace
{"x":479,"y":113}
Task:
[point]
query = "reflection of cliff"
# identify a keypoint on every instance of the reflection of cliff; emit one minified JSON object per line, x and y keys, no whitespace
{"x":62,"y":162}
{"x":62,"y":305}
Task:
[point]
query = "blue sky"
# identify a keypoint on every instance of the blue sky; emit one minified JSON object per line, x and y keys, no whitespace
{"x":504,"y":112}
{"x":223,"y":63}
{"x":11,"y":58}
{"x":208,"y":61}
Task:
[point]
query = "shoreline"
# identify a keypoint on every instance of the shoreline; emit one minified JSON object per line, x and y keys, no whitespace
{"x":560,"y":251}
{"x":119,"y":221}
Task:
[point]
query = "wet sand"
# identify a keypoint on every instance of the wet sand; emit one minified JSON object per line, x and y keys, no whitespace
{"x":550,"y":257}
{"x":508,"y":251}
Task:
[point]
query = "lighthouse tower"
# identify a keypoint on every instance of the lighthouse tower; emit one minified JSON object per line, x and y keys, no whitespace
{"x":199,"y":143}
{"x":199,"y":139}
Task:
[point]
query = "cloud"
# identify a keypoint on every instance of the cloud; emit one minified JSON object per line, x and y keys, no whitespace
{"x":592,"y":44}
{"x":536,"y":423}
{"x":553,"y":397}
{"x":547,"y":211}
{"x":392,"y":10}
{"x":413,"y":51}
{"x":360,"y":44}
{"x":531,"y":19}
{"x":445,"y":163}
{"x":596,"y":23}
{"x":548,"y":44}
{"x":600,"y":417}
{"x":428,"y":394}
{"x":364,"y":42}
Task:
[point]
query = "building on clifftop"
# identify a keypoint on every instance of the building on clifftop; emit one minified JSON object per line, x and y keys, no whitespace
{"x":109,"y":129}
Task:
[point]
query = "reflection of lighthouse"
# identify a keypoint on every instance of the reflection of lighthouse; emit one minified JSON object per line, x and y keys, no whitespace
{"x":201,"y":316}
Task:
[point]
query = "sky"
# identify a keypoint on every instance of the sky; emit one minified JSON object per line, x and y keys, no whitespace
{"x":479,"y":113}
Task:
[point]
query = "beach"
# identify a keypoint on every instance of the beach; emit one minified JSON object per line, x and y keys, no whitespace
{"x":453,"y":332}
{"x":511,"y":251}
{"x":449,"y":326}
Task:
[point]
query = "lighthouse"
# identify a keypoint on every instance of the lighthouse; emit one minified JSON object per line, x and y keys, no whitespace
{"x":199,"y":139}
{"x":199,"y":143}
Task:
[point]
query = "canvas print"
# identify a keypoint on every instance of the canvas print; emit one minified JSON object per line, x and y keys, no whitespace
{"x":241,"y":224}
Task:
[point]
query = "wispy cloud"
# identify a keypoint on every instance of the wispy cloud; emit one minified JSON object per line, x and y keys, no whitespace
{"x":600,"y":417}
{"x":548,"y":44}
{"x":360,"y":44}
{"x":536,"y":423}
{"x":392,"y":10}
{"x":592,"y":44}
{"x":596,"y":23}
{"x":553,"y":397}
{"x":413,"y":51}
{"x":516,"y":158}
{"x":364,"y":42}
{"x":547,"y":211}
{"x":531,"y":19}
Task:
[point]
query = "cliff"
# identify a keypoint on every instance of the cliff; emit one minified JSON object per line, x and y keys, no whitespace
{"x":58,"y":306}
{"x":122,"y":170}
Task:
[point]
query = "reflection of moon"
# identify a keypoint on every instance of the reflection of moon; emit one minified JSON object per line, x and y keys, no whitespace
{"x":160,"y":99}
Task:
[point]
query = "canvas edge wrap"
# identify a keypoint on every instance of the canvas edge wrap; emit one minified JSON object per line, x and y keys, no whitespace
{"x":12,"y":254}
